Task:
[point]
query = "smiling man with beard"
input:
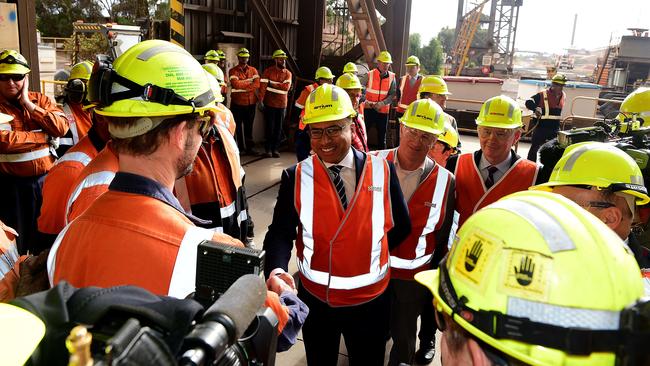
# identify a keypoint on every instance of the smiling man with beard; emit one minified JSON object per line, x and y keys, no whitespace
{"x":345,"y":210}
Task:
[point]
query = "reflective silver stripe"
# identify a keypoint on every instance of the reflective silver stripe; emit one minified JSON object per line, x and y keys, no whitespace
{"x":415,"y":107}
{"x":563,"y":316}
{"x":153,"y":51}
{"x":238,"y":91}
{"x":264,"y":80}
{"x":298,"y":105}
{"x":545,"y":97}
{"x":233,"y":77}
{"x":636,"y":179}
{"x":335,"y":95}
{"x":312,"y":97}
{"x":376,"y":271}
{"x":72,"y":124}
{"x":51,"y":258}
{"x":433,"y":217}
{"x":22,"y":157}
{"x":454,"y":229}
{"x":278,"y":91}
{"x":403,"y":106}
{"x":77,"y":156}
{"x":556,"y":237}
{"x":5,"y":127}
{"x":228,"y":210}
{"x":66,"y":141}
{"x":183,"y":278}
{"x":575,"y":155}
{"x":95,"y":179}
{"x":287,"y":81}
{"x":511,"y":110}
{"x":383,"y":153}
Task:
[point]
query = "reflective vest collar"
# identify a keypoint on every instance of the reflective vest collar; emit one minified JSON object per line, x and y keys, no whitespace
{"x":137,"y":184}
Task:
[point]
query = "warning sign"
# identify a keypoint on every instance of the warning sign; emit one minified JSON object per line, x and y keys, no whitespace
{"x":476,"y":253}
{"x":526,"y":274}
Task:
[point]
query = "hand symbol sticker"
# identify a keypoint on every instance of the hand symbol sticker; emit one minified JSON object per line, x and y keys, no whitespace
{"x":524,"y":274}
{"x":472,"y":256}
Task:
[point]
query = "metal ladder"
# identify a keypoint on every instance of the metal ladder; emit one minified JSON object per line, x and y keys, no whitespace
{"x":366,"y":25}
{"x":465,"y":37}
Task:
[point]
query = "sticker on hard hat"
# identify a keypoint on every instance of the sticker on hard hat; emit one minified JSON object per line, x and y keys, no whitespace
{"x":526,"y":274}
{"x":477,"y":251}
{"x":323,"y":106}
{"x":181,"y":80}
{"x":424,"y":116}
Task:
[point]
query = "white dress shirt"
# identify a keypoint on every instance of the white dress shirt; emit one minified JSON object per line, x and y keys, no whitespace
{"x":348,"y":174}
{"x":409,"y":179}
{"x":502,"y":168}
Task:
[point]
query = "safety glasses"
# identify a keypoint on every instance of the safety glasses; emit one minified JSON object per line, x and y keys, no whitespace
{"x":332,"y":131}
{"x":14,"y":77}
{"x":103,"y":78}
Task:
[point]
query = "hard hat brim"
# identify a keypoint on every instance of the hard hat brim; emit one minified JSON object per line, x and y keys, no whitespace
{"x":243,"y":55}
{"x":15,"y":69}
{"x":510,"y":126}
{"x":22,"y":333}
{"x":422,"y":128}
{"x":640,"y":198}
{"x":327,"y":118}
{"x":6,"y":118}
{"x":411,"y":64}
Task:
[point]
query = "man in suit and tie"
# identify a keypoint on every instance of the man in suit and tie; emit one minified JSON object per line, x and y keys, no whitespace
{"x":494,"y":171}
{"x":345,"y":210}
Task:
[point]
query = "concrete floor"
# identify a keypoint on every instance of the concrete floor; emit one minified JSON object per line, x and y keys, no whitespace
{"x":262,"y":183}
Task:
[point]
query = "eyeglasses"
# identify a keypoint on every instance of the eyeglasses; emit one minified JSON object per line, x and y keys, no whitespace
{"x":14,"y":77}
{"x":499,"y":133}
{"x":205,"y":125}
{"x":332,"y":131}
{"x":424,"y":137}
{"x":594,"y":204}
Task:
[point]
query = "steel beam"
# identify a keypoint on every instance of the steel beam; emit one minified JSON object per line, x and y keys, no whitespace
{"x":266,"y":23}
{"x":396,"y":31}
{"x":310,"y":36}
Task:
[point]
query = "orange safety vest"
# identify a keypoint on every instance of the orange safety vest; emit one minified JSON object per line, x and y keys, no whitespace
{"x":215,"y":178}
{"x":225,"y":118}
{"x":470,"y":188}
{"x":80,"y":122}
{"x":59,"y":181}
{"x":377,"y":88}
{"x":302,"y":99}
{"x":427,"y":208}
{"x":92,"y":182}
{"x":343,"y":255}
{"x":554,"y":104}
{"x":408,"y":93}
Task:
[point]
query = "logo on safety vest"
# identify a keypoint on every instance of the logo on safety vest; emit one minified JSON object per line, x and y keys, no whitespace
{"x":430,"y":204}
{"x":374,"y":188}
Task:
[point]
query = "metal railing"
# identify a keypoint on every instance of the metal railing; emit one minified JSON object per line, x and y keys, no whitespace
{"x":571,"y":117}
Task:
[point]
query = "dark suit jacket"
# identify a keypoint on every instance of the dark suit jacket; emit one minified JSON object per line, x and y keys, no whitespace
{"x":282,"y":232}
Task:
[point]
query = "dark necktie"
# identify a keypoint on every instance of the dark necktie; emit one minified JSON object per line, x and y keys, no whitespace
{"x":338,"y":184}
{"x":489,"y":181}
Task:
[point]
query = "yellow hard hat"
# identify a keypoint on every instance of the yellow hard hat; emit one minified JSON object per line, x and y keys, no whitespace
{"x":539,"y":278}
{"x":279,"y":54}
{"x":21,"y":333}
{"x":211,"y":55}
{"x":327,"y":103}
{"x":151,"y":79}
{"x":449,"y":136}
{"x":500,"y":112}
{"x":12,"y":62}
{"x":424,"y":115}
{"x":599,"y":165}
{"x":348,"y":81}
{"x":559,"y":79}
{"x":637,"y":103}
{"x":385,"y":57}
{"x":81,"y":70}
{"x":324,"y":72}
{"x":221,"y":54}
{"x":350,"y":67}
{"x":215,"y":85}
{"x":412,"y":61}
{"x":434,"y":84}
{"x":243,"y":52}
{"x":215,"y":71}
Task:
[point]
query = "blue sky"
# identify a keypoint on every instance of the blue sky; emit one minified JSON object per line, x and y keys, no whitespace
{"x":545,"y":25}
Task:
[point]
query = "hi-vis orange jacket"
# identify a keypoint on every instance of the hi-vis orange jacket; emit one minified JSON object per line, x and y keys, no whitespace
{"x":92,"y":182}
{"x":10,"y":263}
{"x":470,"y":188}
{"x":141,"y":239}
{"x":377,"y":88}
{"x":243,"y":81}
{"x":274,"y":86}
{"x":225,"y":118}
{"x":60,"y":180}
{"x":409,"y":93}
{"x":431,"y":219}
{"x":300,"y":102}
{"x":214,"y":189}
{"x":24,"y":147}
{"x":343,"y":254}
{"x":80,"y":122}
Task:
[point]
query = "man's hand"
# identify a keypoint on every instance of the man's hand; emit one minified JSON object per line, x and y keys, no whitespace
{"x":33,"y":275}
{"x":377,"y":106}
{"x":227,"y":239}
{"x":280,"y":281}
{"x":23,"y":97}
{"x":538,"y":112}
